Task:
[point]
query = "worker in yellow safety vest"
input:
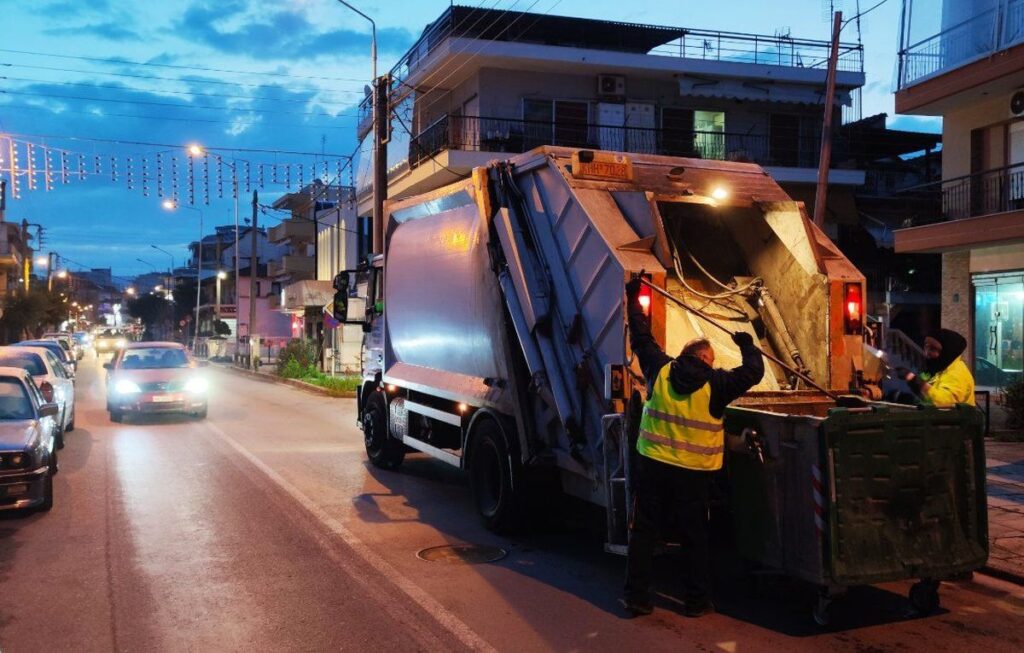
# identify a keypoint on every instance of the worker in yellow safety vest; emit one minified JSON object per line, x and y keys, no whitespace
{"x":945,"y":380}
{"x":681,"y":443}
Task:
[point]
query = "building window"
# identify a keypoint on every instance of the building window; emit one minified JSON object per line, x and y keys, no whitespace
{"x":710,"y":130}
{"x":998,"y":328}
{"x":677,"y":132}
{"x":555,"y":122}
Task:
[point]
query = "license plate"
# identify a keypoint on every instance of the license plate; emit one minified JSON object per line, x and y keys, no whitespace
{"x":15,"y":490}
{"x":162,"y":399}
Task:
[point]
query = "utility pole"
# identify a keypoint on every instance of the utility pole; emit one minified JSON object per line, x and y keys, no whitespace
{"x":381,"y":131}
{"x":821,"y":193}
{"x":253,"y":337}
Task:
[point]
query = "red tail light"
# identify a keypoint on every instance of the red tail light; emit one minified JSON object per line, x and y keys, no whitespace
{"x":854,"y":308}
{"x":47,"y":391}
{"x":645,"y":299}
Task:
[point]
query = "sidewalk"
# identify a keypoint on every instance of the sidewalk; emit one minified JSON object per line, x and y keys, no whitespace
{"x":1005,"y":461}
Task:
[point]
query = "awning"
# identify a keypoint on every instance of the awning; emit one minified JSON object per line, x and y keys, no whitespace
{"x":758,"y":91}
{"x":302,"y":294}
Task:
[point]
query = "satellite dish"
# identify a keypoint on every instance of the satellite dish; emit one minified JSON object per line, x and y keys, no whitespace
{"x":367,"y":91}
{"x":1017,"y":103}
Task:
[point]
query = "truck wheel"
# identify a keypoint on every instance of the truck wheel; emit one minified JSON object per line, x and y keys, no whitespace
{"x":382,"y":449}
{"x":498,"y":500}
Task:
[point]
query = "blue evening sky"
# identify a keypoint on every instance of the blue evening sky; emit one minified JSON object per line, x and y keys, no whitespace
{"x":304,"y":62}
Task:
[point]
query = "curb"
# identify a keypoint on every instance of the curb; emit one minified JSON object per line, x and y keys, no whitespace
{"x":295,"y":383}
{"x":1002,"y":574}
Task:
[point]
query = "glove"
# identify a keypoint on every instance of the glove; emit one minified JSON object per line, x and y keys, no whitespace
{"x":903,"y":374}
{"x":633,"y":290}
{"x":743,"y":339}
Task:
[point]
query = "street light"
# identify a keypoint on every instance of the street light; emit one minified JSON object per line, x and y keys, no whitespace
{"x":43,"y":261}
{"x":221,"y":275}
{"x":171,"y":205}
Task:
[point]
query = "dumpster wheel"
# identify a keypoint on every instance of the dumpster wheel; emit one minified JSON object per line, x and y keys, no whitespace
{"x":822,"y":610}
{"x":924,"y":598}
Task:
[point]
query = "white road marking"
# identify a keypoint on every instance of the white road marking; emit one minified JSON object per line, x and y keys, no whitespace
{"x":442,"y":615}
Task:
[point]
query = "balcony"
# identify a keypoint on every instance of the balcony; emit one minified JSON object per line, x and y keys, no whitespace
{"x":297,"y":267}
{"x":496,"y":26}
{"x":979,"y":36}
{"x":292,"y":230}
{"x":516,"y":136}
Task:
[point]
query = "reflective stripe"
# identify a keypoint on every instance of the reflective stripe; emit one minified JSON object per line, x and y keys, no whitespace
{"x":681,"y":444}
{"x":682,"y":421}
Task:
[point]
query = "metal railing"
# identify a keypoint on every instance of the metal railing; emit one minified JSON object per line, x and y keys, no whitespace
{"x":983,"y":193}
{"x":514,"y":136}
{"x":982,"y":34}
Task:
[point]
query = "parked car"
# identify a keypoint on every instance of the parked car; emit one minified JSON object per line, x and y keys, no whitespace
{"x":83,"y":339}
{"x":155,"y":377}
{"x":109,"y":340}
{"x":51,"y":377}
{"x":28,"y":459}
{"x":62,"y":354}
{"x":66,"y":340}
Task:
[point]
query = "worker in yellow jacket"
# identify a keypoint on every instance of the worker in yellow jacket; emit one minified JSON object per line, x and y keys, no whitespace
{"x":681,"y":443}
{"x":945,"y":380}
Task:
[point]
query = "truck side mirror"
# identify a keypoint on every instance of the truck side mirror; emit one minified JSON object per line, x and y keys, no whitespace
{"x":348,"y":307}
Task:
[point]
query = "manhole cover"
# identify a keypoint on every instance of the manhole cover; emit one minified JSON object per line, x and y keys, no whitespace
{"x":462,"y":554}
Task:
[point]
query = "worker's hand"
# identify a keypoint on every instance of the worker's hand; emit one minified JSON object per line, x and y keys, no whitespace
{"x":903,"y":374}
{"x":633,"y":289}
{"x":743,"y":339}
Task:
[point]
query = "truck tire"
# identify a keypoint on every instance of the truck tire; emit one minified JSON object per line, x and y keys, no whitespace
{"x":383,"y":450}
{"x":494,"y":478}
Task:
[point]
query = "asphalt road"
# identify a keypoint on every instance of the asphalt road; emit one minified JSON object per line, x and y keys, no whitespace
{"x":263,"y":528}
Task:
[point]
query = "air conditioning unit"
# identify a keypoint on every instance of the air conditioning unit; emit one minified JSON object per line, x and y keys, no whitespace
{"x":1017,"y":104}
{"x":611,"y":85}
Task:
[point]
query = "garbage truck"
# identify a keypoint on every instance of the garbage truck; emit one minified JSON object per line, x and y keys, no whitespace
{"x":496,"y":340}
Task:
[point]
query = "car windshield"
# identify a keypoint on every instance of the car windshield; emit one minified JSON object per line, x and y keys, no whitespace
{"x":45,"y":344}
{"x":31,"y":363}
{"x":149,"y":358}
{"x":14,"y":401}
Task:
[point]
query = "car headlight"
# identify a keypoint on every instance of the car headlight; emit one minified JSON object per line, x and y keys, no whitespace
{"x":197,"y":385}
{"x":120,"y":343}
{"x":126,"y":387}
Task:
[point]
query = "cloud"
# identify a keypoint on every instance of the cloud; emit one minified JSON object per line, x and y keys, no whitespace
{"x":65,"y":9}
{"x":110,"y":31}
{"x":279,"y":35}
{"x":927,"y":124}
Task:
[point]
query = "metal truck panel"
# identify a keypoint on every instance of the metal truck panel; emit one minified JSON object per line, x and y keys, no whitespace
{"x":445,"y":324}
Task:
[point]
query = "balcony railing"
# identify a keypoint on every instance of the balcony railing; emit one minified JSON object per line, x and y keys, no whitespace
{"x":982,"y":34}
{"x":971,"y":196}
{"x":515,"y":136}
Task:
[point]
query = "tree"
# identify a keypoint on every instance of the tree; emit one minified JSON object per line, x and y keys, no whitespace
{"x":153,"y":310}
{"x":221,"y":328}
{"x":28,"y":314}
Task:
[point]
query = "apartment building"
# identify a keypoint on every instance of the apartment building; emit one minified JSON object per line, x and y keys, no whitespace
{"x":483,"y":84}
{"x":963,"y":60}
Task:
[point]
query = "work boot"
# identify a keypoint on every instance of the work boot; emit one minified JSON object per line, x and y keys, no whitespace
{"x":698,"y":608}
{"x":636,"y":609}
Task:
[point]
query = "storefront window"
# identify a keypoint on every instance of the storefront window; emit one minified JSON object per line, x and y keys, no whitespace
{"x":998,"y":328}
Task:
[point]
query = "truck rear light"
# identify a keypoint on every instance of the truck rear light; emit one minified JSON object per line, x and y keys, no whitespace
{"x":854,"y":308}
{"x":47,"y":391}
{"x":645,"y":299}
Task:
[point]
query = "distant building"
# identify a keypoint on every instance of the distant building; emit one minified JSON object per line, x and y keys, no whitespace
{"x":963,"y":60}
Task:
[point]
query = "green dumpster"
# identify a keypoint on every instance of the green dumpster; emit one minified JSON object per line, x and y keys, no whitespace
{"x":841,"y":497}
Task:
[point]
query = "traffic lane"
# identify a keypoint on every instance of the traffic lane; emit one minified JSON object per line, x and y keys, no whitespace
{"x":556,"y":588}
{"x":199,"y":554}
{"x":54,"y":567}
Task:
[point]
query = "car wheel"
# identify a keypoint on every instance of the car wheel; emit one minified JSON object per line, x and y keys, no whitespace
{"x":58,"y":439}
{"x":71,"y":424}
{"x":116,"y":416}
{"x":47,"y":503}
{"x":201,"y":414}
{"x":383,"y":450}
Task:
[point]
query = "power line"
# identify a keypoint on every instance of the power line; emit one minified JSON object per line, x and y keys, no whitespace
{"x":36,"y":108}
{"x":175,"y":146}
{"x":158,"y":91}
{"x":179,"y":106}
{"x":172,"y":79}
{"x":122,"y":62}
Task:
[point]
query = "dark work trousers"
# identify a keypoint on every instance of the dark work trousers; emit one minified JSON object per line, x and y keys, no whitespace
{"x":659,"y":490}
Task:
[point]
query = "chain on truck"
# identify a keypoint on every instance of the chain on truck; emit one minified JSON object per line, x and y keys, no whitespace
{"x":495,"y":340}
